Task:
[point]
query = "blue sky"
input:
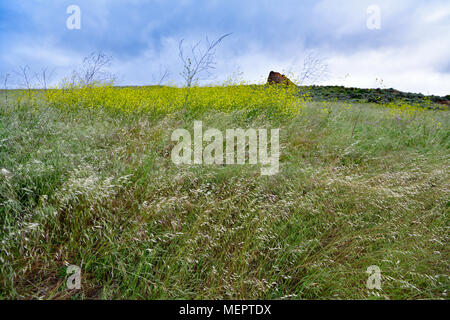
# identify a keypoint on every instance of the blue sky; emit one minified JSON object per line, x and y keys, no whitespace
{"x":410,"y":51}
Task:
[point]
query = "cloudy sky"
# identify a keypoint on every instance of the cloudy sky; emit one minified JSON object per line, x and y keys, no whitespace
{"x":407,"y":45}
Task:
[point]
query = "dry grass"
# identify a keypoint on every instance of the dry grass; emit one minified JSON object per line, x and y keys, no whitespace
{"x":99,"y":190}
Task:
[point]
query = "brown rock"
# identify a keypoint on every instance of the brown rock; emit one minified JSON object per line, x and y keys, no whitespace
{"x":278,"y":78}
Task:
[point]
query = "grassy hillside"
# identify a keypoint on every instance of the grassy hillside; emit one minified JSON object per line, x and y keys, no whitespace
{"x":379,"y":96}
{"x":347,"y":94}
{"x":90,"y":182}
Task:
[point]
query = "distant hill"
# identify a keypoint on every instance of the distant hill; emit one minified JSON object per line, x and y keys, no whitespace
{"x":340,"y":93}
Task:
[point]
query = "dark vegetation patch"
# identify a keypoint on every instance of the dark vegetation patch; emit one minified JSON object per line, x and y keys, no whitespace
{"x":382,"y":96}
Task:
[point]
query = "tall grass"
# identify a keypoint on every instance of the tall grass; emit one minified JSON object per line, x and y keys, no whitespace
{"x":94,"y":186}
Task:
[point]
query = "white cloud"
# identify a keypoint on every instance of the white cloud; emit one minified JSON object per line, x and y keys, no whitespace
{"x":410,"y":52}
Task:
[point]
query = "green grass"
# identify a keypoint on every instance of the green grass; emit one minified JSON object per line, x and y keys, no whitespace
{"x":100,"y":191}
{"x":380,"y":96}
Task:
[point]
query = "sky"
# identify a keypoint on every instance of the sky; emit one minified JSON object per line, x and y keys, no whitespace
{"x":401,"y":44}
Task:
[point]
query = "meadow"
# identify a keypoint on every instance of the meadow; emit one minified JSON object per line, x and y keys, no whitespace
{"x":88,"y":180}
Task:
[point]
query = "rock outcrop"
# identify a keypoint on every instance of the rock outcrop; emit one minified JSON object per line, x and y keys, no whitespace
{"x":278,"y":78}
